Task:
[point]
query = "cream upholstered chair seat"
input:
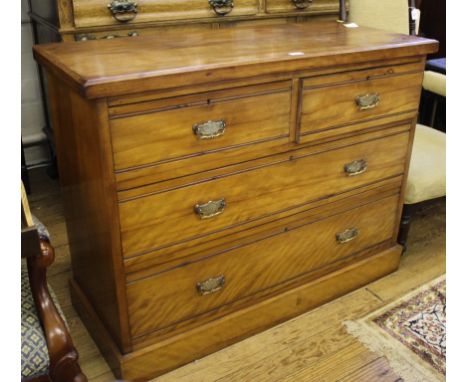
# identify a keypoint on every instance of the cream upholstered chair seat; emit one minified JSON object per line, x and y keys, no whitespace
{"x":435,"y":82}
{"x":426,"y":176}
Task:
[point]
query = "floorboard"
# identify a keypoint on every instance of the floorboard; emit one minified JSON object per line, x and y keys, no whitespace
{"x":312,"y":347}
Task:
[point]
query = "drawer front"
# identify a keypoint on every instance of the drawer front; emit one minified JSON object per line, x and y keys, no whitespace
{"x":157,"y":220}
{"x":199,"y":287}
{"x":302,"y":6}
{"x":90,"y":13}
{"x":211,"y":122}
{"x":329,"y":103}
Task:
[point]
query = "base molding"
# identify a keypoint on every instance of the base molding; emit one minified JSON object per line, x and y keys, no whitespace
{"x":160,"y":358}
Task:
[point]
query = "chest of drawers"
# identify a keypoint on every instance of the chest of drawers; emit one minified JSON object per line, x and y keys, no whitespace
{"x":216,"y":185}
{"x":84,"y":20}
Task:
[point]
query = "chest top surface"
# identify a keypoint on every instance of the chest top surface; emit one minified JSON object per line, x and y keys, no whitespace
{"x":112,"y":67}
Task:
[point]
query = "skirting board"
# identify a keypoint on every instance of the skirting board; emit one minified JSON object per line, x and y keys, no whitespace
{"x":170,"y":353}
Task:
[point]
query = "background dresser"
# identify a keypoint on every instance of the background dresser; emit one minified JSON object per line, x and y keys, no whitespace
{"x":82,"y":20}
{"x":216,"y":184}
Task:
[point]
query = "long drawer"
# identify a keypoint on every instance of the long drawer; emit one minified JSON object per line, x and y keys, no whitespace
{"x":88,"y":13}
{"x":301,"y":6}
{"x":198,"y":124}
{"x":157,"y":220}
{"x":331,"y":103}
{"x":199,"y":287}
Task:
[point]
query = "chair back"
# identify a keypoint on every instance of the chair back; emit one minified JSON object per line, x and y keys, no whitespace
{"x":388,"y":15}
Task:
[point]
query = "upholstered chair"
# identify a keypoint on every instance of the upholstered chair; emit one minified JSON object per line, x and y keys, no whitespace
{"x":388,"y":15}
{"x":427,"y":172}
{"x":47,"y":351}
{"x":426,"y":176}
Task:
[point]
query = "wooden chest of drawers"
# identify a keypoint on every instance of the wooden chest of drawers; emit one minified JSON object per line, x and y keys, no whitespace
{"x":83,"y":20}
{"x":216,"y":185}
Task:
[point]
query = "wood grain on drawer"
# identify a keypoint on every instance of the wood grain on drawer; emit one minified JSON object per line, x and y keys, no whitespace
{"x":330,"y":102}
{"x":89,"y":13}
{"x":199,"y":124}
{"x":172,"y":296}
{"x":163,"y":218}
{"x":303,"y":6}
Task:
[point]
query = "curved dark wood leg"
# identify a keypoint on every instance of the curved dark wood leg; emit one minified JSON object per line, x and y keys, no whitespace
{"x":405,"y":225}
{"x":63,"y":355}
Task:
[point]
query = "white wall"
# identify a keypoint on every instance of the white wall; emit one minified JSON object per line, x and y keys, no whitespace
{"x":32,"y":116}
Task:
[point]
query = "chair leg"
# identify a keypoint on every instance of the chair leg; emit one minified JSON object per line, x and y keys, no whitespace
{"x":64,"y":365}
{"x":405,"y":225}
{"x":435,"y":103}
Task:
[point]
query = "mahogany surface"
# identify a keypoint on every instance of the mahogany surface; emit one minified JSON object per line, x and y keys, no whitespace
{"x":310,"y":129}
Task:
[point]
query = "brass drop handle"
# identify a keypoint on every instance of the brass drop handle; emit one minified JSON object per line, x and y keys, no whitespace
{"x":355,"y":167}
{"x":347,"y":235}
{"x":123,"y":10}
{"x":209,"y":129}
{"x":367,"y":101}
{"x":210,"y":209}
{"x":221,"y":7}
{"x":211,"y":285}
{"x":302,"y":4}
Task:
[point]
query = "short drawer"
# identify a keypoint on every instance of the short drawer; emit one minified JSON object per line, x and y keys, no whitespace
{"x":199,"y":287}
{"x":331,"y":103}
{"x":301,"y":6}
{"x":152,"y":221}
{"x":198,"y":124}
{"x":88,"y":13}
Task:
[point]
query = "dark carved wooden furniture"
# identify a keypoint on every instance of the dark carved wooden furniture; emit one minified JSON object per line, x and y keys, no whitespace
{"x":217,"y":184}
{"x":433,"y":23}
{"x":47,"y":351}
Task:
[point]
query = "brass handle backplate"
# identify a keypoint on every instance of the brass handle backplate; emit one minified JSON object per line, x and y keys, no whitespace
{"x":221,"y":7}
{"x":367,"y":101}
{"x":123,"y":10}
{"x":347,"y":235}
{"x":212,"y":285}
{"x":302,"y":4}
{"x":210,"y":209}
{"x":355,"y":167}
{"x":209,"y":129}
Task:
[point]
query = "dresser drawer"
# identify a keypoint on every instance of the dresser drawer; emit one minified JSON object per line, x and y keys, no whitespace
{"x":301,"y":6}
{"x":89,"y":13}
{"x":199,"y":287}
{"x":331,"y":103}
{"x":152,"y":221}
{"x":198,"y":124}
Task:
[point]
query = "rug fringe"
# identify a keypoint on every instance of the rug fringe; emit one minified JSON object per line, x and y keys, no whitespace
{"x":411,"y":370}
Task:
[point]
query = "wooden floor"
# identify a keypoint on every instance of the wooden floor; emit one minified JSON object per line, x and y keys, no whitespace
{"x":313,"y":347}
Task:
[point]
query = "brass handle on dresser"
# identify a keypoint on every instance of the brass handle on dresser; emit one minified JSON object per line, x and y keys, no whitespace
{"x":367,"y":101}
{"x":209,"y":129}
{"x":221,"y":7}
{"x":302,"y":4}
{"x":212,"y":285}
{"x":355,"y":167}
{"x":347,"y":235}
{"x":210,"y":209}
{"x":123,"y":10}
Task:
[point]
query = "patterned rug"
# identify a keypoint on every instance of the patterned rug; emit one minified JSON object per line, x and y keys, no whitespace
{"x":410,"y":333}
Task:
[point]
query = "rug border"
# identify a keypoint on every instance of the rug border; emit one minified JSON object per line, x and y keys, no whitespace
{"x":379,"y":341}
